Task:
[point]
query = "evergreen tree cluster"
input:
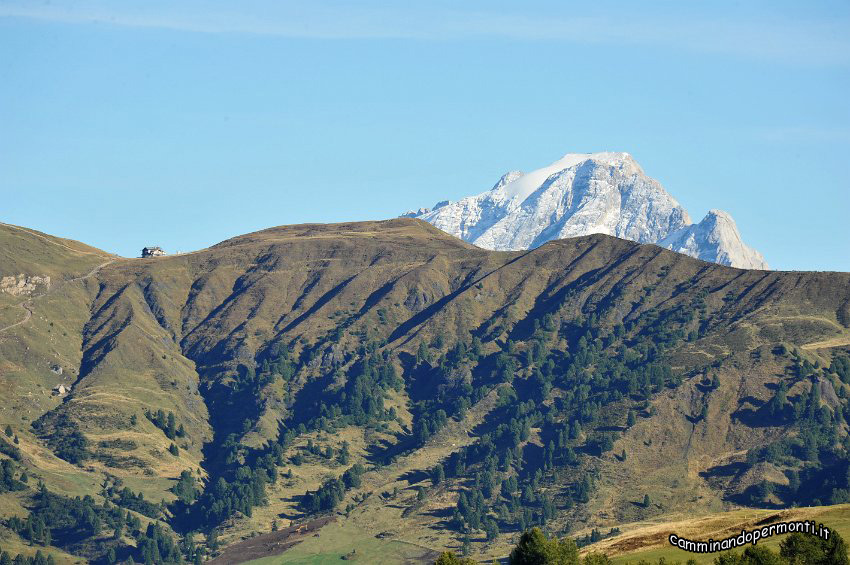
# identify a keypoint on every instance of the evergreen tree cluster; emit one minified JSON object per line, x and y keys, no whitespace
{"x":11,"y":477}
{"x":239,"y":474}
{"x":20,"y":559}
{"x":125,"y":498}
{"x":443,"y":384}
{"x":277,"y":364}
{"x":241,"y":489}
{"x":156,"y":547}
{"x":600,"y":372}
{"x":64,"y":437}
{"x":448,"y":386}
{"x":185,"y":489}
{"x":817,"y":455}
{"x":166,"y":423}
{"x":534,"y":548}
{"x":332,"y":491}
{"x":595,"y":535}
{"x":795,"y":549}
{"x":73,"y":523}
{"x":9,"y":450}
{"x":360,"y":399}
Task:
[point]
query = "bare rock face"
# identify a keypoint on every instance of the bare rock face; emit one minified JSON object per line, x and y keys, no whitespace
{"x":715,"y":239}
{"x":23,"y":285}
{"x":586,"y":193}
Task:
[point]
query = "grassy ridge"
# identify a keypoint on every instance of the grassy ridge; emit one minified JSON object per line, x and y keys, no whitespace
{"x":204,"y":336}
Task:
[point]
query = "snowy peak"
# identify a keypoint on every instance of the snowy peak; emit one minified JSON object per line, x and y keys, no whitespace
{"x":523,"y":185}
{"x":507,"y":178}
{"x":715,"y":238}
{"x":584,"y":193}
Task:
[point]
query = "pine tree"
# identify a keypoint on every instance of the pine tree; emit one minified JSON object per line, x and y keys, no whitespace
{"x":466,"y":548}
{"x":491,"y":528}
{"x":343,"y":455}
{"x":422,"y":353}
{"x":170,"y":426}
{"x":575,"y":429}
{"x":438,"y":475}
{"x":533,"y":548}
{"x":37,"y":529}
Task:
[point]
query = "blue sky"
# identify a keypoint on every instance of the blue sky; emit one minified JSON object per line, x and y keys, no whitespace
{"x":180,"y":124}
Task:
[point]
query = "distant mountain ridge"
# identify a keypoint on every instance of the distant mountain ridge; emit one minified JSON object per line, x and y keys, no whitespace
{"x":585,"y":193}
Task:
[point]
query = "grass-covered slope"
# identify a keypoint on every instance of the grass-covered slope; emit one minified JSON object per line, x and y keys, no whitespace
{"x":428,"y":390}
{"x":27,"y":251}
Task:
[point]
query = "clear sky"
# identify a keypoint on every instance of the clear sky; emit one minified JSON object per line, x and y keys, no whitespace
{"x":124,"y":124}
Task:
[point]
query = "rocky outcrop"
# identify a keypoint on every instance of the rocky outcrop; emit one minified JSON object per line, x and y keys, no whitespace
{"x":23,"y":285}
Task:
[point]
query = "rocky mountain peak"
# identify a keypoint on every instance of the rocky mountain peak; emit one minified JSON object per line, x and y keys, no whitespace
{"x":585,"y":193}
{"x":715,"y":238}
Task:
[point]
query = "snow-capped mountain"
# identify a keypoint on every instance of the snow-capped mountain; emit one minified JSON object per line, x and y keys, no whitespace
{"x":716,"y":239}
{"x":584,"y":193}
